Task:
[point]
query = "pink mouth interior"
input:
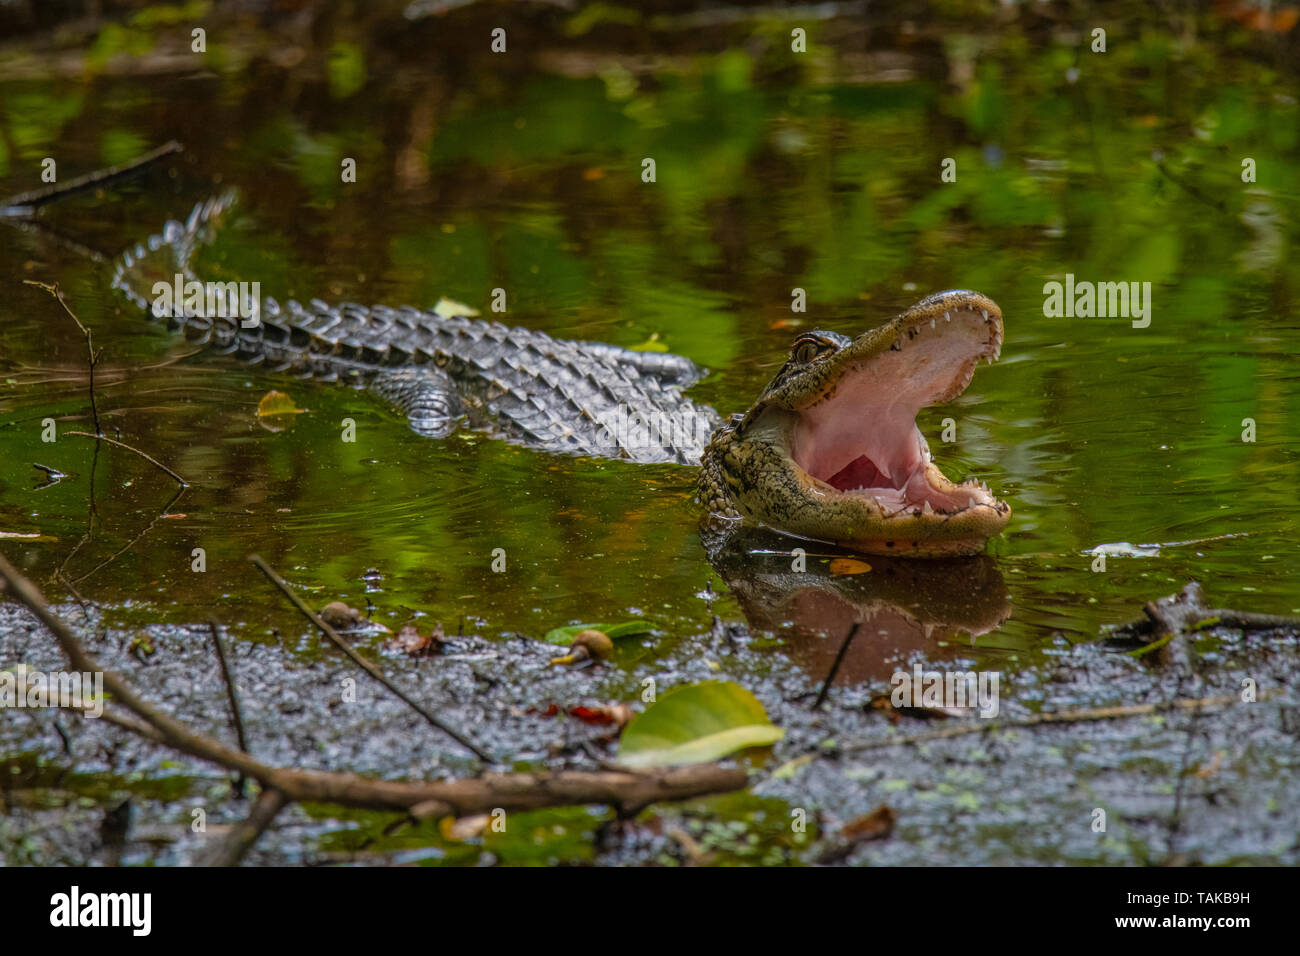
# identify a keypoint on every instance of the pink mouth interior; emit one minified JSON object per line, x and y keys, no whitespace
{"x":864,"y":440}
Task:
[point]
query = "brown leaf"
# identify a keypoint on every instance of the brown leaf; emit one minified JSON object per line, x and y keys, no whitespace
{"x":849,"y":566}
{"x":876,"y":825}
{"x":411,"y":642}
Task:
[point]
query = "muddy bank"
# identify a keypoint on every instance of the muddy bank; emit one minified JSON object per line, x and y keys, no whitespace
{"x":1176,"y":786}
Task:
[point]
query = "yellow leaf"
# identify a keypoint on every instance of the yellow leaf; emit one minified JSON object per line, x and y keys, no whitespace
{"x":450,"y":309}
{"x":277,"y":403}
{"x":849,"y":566}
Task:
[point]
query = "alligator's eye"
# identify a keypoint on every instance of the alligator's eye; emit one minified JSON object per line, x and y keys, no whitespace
{"x":807,"y":349}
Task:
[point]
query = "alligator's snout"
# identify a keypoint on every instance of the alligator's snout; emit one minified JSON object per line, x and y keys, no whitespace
{"x":831,"y":451}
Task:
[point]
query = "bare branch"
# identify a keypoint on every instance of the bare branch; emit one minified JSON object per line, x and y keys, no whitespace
{"x":625,"y":790}
{"x":364,"y":664}
{"x":27,"y":203}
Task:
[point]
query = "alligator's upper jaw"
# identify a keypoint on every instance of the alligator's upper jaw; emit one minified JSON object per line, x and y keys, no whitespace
{"x":858,"y":437}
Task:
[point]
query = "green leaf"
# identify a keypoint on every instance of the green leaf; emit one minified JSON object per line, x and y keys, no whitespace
{"x":651,"y":344}
{"x":696,"y":723}
{"x":563,"y":636}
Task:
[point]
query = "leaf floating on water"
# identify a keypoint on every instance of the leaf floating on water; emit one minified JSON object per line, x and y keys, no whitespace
{"x":450,"y":309}
{"x":849,"y":566}
{"x":651,"y":344}
{"x":277,"y":403}
{"x":564,"y":635}
{"x":696,"y":723}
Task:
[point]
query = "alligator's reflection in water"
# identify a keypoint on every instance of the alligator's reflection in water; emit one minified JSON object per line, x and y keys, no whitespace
{"x":900,"y":605}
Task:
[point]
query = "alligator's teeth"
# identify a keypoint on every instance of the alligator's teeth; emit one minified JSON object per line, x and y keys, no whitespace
{"x":932,"y":323}
{"x":926,"y":509}
{"x":970,"y":502}
{"x":986,"y":314}
{"x":947,"y":317}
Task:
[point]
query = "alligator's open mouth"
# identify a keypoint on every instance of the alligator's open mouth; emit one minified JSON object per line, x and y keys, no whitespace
{"x":858,"y":437}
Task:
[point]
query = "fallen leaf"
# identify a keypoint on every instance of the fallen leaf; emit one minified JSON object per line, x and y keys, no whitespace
{"x":876,"y":825}
{"x":461,"y":829}
{"x":849,"y":566}
{"x":618,"y":715}
{"x":411,"y":642}
{"x":694,"y":724}
{"x":277,"y":403}
{"x":651,"y":344}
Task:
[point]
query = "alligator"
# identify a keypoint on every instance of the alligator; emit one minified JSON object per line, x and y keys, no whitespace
{"x":829,"y":451}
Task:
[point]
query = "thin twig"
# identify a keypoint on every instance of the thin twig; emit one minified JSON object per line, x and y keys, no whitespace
{"x":121,"y":444}
{"x":364,"y":664}
{"x":231,"y":849}
{"x":232,"y":692}
{"x":835,"y":667}
{"x":28,"y":202}
{"x":93,"y":359}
